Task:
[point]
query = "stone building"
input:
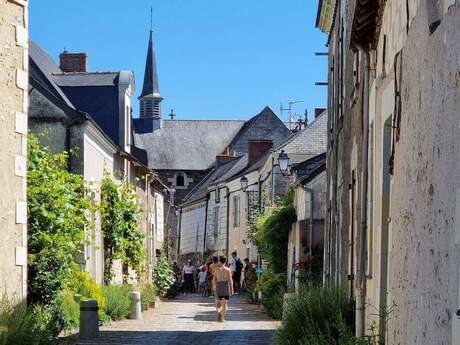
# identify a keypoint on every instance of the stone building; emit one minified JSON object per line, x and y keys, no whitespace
{"x":90,"y":112}
{"x":216,"y":215}
{"x":13,"y":140}
{"x":392,"y":230}
{"x":184,"y":151}
{"x":305,"y":244}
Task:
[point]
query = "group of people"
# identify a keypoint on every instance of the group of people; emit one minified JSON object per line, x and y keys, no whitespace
{"x":217,"y":278}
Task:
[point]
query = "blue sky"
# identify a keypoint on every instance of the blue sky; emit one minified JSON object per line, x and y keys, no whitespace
{"x":216,"y":59}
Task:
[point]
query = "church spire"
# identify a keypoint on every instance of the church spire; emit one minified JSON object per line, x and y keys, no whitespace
{"x":150,"y":98}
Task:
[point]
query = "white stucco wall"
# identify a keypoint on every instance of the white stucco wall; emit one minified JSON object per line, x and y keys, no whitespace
{"x":192,"y":225}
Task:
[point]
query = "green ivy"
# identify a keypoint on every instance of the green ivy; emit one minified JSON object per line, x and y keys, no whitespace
{"x":163,"y":275}
{"x":123,"y":240}
{"x":57,"y":217}
{"x":271,"y":233}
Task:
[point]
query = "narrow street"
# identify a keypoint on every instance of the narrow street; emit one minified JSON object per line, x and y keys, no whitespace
{"x":191,"y":321}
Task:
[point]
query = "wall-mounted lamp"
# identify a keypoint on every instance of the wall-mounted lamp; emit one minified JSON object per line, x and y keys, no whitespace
{"x":283,"y":162}
{"x":244,"y":183}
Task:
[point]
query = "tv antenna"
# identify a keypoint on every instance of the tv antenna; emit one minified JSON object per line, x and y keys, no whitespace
{"x":291,"y":114}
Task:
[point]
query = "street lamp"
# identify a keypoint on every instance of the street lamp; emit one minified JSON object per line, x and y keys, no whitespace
{"x":244,"y":183}
{"x":283,"y":162}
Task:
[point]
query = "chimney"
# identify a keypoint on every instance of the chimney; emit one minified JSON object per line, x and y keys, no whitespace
{"x":319,"y":111}
{"x":73,"y":62}
{"x":257,"y":148}
{"x":226,"y":156}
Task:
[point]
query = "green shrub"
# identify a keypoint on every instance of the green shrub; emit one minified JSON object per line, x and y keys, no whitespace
{"x":20,"y":325}
{"x":86,"y":287}
{"x":148,"y":295}
{"x":67,"y":309}
{"x":271,"y":233}
{"x":123,"y":239}
{"x":272,"y":285}
{"x":163,"y":275}
{"x":317,"y":316}
{"x":57,"y":217}
{"x":118,"y":302}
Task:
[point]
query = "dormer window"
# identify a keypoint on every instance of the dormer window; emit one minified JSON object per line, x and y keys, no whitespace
{"x":180,"y":180}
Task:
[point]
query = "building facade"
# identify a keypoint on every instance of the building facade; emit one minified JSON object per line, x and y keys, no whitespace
{"x":392,"y":215}
{"x":13,"y":140}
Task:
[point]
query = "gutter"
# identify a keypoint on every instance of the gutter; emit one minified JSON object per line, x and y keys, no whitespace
{"x":361,"y":269}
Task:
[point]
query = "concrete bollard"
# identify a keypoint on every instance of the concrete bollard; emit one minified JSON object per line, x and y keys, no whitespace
{"x":89,"y":319}
{"x":136,"y":311}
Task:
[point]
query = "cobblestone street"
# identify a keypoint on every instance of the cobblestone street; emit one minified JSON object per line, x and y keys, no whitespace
{"x":191,"y":321}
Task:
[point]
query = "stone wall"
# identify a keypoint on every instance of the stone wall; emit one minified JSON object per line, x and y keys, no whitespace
{"x":425,"y":192}
{"x":13,"y":117}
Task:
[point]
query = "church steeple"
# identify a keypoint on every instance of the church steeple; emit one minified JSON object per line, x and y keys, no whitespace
{"x":150,"y":98}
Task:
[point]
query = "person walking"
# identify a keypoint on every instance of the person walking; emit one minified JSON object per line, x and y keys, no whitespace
{"x":223,"y":286}
{"x":188,"y":278}
{"x":237,"y":268}
{"x":212,"y":267}
{"x":202,"y":281}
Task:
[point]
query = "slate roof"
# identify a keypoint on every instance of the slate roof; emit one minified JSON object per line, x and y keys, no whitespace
{"x":42,"y":68}
{"x":95,"y":93}
{"x":183,"y":144}
{"x":309,"y":168}
{"x":311,"y":140}
{"x":264,"y":125}
{"x":150,"y":86}
{"x":216,"y":175}
{"x":86,"y":79}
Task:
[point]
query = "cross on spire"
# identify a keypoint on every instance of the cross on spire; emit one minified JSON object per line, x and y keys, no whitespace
{"x":151,"y":18}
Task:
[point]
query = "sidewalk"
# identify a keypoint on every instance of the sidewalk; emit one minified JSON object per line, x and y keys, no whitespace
{"x":191,"y":321}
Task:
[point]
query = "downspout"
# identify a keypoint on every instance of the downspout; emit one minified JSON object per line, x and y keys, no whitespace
{"x":273,"y":180}
{"x":309,"y":191}
{"x":361,"y":286}
{"x":179,"y":229}
{"x":227,"y":240}
{"x":205,"y":233}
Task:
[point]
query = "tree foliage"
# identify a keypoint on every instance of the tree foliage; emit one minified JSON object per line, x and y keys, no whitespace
{"x":57,"y":217}
{"x":163,"y":275}
{"x":123,"y":239}
{"x":271,"y":233}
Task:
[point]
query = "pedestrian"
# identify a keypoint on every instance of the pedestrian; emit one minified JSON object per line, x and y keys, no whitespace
{"x":212,"y":267}
{"x":237,"y":268}
{"x":250,"y":276}
{"x":223,"y":286}
{"x":177,"y":272}
{"x":187,"y":277}
{"x":202,"y":281}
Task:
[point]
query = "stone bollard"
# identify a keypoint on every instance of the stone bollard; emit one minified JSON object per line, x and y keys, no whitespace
{"x":89,"y":319}
{"x":136,"y":311}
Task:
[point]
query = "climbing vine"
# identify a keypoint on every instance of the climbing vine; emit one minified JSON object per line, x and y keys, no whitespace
{"x":57,"y":217}
{"x":271,"y":233}
{"x":123,"y":240}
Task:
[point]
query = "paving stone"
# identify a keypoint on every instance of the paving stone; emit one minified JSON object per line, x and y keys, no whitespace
{"x":189,"y":321}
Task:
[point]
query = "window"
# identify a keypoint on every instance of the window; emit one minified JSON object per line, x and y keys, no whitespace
{"x":180,"y":180}
{"x":216,"y":221}
{"x":434,"y":14}
{"x":236,"y":211}
{"x":217,"y":195}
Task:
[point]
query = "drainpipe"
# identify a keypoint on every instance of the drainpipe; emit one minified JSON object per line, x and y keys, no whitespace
{"x":309,"y":191}
{"x":227,"y":223}
{"x":205,"y":233}
{"x":273,"y":180}
{"x":361,"y":286}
